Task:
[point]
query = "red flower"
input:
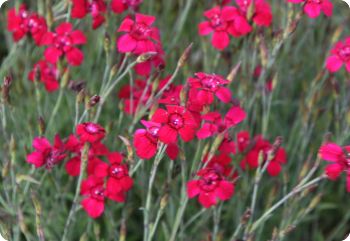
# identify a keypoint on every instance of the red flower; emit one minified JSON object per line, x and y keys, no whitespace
{"x":339,"y":161}
{"x":25,"y":22}
{"x":140,"y":36}
{"x":243,"y":140}
{"x":206,"y":85}
{"x":118,"y":179}
{"x":224,"y":21}
{"x":340,"y":55}
{"x":146,"y":141}
{"x":175,"y":120}
{"x":221,"y":163}
{"x":234,"y":116}
{"x":262,"y":15}
{"x":313,"y":8}
{"x":62,"y":43}
{"x":210,"y":187}
{"x":96,"y":7}
{"x":260,"y":146}
{"x":90,"y":132}
{"x":119,"y":6}
{"x":93,"y":190}
{"x":45,"y":154}
{"x":48,"y":75}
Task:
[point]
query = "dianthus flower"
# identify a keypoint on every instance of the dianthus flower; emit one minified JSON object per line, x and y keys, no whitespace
{"x":94,"y":196}
{"x":340,"y":55}
{"x":262,"y":15}
{"x":46,"y":154}
{"x":210,"y":187}
{"x":119,"y":6}
{"x":47,"y":73}
{"x":339,"y":161}
{"x":204,"y":86}
{"x":146,"y":141}
{"x":141,"y":36}
{"x":90,"y":132}
{"x":175,"y":120}
{"x":24,"y":22}
{"x":63,"y":43}
{"x":313,"y":8}
{"x":222,"y":22}
{"x":97,"y":8}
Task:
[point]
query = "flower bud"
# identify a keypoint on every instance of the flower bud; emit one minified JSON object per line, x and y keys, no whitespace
{"x":184,"y":57}
{"x":145,"y":57}
{"x":94,"y":100}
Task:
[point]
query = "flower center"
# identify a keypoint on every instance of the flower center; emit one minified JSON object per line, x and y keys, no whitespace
{"x":63,"y":42}
{"x":140,"y":31}
{"x":91,"y":128}
{"x":211,"y":83}
{"x":209,"y":181}
{"x":117,"y":171}
{"x":97,"y":193}
{"x":52,"y":158}
{"x":176,"y":121}
{"x":344,"y":53}
{"x":218,"y":23}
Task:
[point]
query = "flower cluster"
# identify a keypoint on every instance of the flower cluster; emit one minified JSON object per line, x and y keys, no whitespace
{"x":105,"y":180}
{"x":229,"y":20}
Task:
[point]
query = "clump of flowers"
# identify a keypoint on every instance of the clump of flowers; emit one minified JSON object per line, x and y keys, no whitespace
{"x":104,"y":181}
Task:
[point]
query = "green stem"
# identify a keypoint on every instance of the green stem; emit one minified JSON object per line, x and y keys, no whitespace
{"x":83,"y":164}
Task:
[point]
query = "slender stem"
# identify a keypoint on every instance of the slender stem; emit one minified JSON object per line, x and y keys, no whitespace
{"x":297,"y":190}
{"x":83,"y":164}
{"x":55,"y":109}
{"x":146,"y":221}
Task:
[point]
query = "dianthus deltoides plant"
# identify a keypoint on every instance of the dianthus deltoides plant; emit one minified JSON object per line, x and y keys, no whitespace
{"x":175,"y":120}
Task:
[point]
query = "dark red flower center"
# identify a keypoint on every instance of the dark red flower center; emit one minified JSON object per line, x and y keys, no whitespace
{"x":176,"y":121}
{"x":118,"y":171}
{"x":209,"y":181}
{"x":217,"y":22}
{"x":140,"y":31}
{"x":98,"y":193}
{"x":211,"y":83}
{"x":52,"y":157}
{"x":344,"y":53}
{"x":63,"y":42}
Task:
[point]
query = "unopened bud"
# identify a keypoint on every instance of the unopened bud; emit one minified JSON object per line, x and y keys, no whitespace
{"x":231,"y":76}
{"x":65,"y":78}
{"x":6,"y":89}
{"x":107,"y":43}
{"x":145,"y":57}
{"x":42,"y":125}
{"x":94,"y":100}
{"x":164,"y":201}
{"x":184,"y":57}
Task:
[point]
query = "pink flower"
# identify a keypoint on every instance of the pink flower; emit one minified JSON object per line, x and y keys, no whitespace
{"x":48,"y":75}
{"x":119,"y":6}
{"x":146,"y":141}
{"x":45,"y":154}
{"x":222,"y":22}
{"x":340,"y":55}
{"x":118,"y":179}
{"x":208,"y":85}
{"x":313,"y":8}
{"x":90,"y":132}
{"x":234,"y":116}
{"x":24,"y":22}
{"x":140,"y":36}
{"x":96,"y":7}
{"x":94,"y":196}
{"x":63,"y":43}
{"x":175,"y":120}
{"x":210,"y":187}
{"x":262,"y":15}
{"x":338,"y":159}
